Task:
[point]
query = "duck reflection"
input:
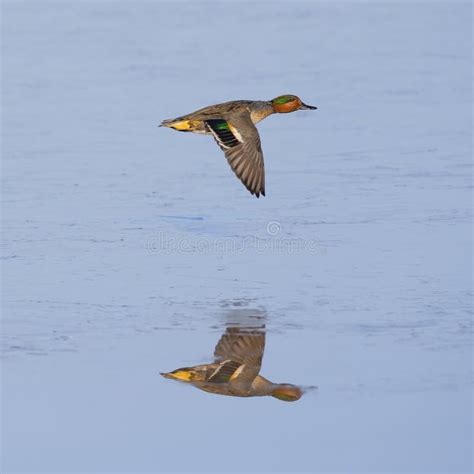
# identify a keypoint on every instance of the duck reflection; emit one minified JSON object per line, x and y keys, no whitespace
{"x":236,"y":368}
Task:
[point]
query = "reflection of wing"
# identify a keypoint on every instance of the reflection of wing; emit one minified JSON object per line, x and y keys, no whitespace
{"x":239,"y":354}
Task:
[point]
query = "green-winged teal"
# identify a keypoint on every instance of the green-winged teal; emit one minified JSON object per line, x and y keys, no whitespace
{"x":235,"y":370}
{"x":232,"y":124}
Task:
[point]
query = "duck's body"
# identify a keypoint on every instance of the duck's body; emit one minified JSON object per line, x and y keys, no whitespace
{"x":235,"y":371}
{"x":200,"y":377}
{"x":196,"y":121}
{"x":232,"y":124}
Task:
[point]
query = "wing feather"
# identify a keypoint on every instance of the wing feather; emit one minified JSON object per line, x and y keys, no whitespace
{"x":242,"y":149}
{"x":241,"y":351}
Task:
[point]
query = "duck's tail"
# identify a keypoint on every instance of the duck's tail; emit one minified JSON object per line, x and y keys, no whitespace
{"x":182,"y":125}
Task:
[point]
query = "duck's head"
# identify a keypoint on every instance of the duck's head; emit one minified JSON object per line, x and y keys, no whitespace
{"x":287,"y":392}
{"x":289,"y":103}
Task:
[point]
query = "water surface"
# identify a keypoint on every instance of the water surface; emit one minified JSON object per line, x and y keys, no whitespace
{"x":125,"y":245}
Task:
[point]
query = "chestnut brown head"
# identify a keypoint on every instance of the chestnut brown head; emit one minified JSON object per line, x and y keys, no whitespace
{"x":289,"y":103}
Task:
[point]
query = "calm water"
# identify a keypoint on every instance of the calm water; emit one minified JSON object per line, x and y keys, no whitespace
{"x":126,"y":247}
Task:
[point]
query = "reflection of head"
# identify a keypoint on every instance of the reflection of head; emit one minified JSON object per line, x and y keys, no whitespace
{"x":287,"y":392}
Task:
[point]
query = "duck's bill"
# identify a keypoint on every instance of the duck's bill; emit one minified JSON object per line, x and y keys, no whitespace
{"x":307,"y":107}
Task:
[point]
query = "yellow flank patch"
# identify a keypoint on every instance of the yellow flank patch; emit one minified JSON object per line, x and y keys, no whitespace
{"x":184,"y":125}
{"x":182,"y":375}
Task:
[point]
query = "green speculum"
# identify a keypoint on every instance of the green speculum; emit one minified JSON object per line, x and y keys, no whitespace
{"x":221,"y":125}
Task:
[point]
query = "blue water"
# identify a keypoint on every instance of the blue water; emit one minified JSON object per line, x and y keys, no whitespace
{"x":125,"y":245}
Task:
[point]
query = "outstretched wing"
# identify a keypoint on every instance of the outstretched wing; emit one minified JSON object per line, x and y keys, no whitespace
{"x":239,"y":139}
{"x":239,"y":354}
